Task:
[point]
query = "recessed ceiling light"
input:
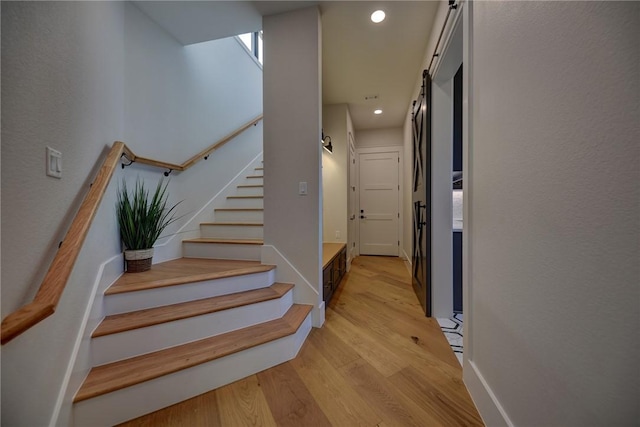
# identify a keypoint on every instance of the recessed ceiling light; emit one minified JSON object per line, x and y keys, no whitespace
{"x":378,"y":16}
{"x":377,"y":112}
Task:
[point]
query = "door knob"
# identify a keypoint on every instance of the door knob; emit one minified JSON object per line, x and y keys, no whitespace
{"x":352,"y":217}
{"x":363,"y":217}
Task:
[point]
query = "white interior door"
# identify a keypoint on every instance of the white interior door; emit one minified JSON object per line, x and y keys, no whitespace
{"x":379,"y":203}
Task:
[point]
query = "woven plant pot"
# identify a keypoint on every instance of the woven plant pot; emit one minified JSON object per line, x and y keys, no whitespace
{"x":138,"y":260}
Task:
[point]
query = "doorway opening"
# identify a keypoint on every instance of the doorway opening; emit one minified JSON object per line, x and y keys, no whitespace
{"x":447,"y":167}
{"x":457,"y":195}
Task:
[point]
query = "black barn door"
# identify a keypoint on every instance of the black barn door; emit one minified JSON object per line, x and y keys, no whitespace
{"x":421,"y":257}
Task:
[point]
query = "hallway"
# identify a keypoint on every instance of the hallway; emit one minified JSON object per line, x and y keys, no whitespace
{"x":377,"y":361}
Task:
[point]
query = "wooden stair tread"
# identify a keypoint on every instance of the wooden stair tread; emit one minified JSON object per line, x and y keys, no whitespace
{"x":239,"y":209}
{"x":184,"y":270}
{"x":155,"y":316}
{"x":255,"y":176}
{"x":124,"y":373}
{"x":245,"y":197}
{"x":225,"y":241}
{"x":248,"y":224}
{"x":250,"y":186}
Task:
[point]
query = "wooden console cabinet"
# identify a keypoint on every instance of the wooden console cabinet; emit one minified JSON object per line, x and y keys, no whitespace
{"x":334,"y":267}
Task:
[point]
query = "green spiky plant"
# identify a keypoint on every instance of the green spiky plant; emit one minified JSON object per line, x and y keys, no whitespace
{"x":143,"y":219}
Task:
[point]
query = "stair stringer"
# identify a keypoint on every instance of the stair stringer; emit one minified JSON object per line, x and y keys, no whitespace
{"x":80,"y":362}
{"x":304,"y":292}
{"x":171,"y":247}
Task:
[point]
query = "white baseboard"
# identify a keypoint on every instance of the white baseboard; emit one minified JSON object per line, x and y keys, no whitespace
{"x":321,"y":314}
{"x":407,"y":261}
{"x":486,"y":401}
{"x":304,"y":292}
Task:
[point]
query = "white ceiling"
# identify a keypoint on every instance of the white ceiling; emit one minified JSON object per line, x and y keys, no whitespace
{"x":359,"y":58}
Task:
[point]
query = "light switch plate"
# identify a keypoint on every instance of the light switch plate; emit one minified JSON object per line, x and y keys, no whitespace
{"x":54,"y":163}
{"x":302,"y":188}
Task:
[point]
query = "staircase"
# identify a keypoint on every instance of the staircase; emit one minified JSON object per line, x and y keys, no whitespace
{"x":238,"y":228}
{"x":193,"y":324}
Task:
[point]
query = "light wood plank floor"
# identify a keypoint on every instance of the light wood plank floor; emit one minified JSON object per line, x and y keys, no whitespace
{"x":376,"y":362}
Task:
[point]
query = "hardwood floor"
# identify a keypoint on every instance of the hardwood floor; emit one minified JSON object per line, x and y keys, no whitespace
{"x":377,"y":361}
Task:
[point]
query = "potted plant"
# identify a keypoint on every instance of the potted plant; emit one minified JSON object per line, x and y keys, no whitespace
{"x":141,"y":220}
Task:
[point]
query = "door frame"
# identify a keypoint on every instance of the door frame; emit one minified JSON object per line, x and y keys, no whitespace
{"x":449,"y":60}
{"x":353,"y":237}
{"x":399,"y":150}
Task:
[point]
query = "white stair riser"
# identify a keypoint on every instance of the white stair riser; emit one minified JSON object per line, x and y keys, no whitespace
{"x":232,"y":231}
{"x":131,"y":402}
{"x":244,"y":203}
{"x":238,"y":216}
{"x":149,"y":298}
{"x":254,"y":181}
{"x":250,"y":191}
{"x":114,"y":347}
{"x":221,"y":251}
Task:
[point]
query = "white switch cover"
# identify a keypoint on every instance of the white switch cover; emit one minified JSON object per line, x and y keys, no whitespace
{"x":54,"y":163}
{"x":302,"y":188}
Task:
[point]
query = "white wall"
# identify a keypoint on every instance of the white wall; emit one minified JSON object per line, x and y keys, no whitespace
{"x":181,"y":99}
{"x":388,"y":137}
{"x":448,"y":62}
{"x":441,"y":263}
{"x":78,"y":76}
{"x":62,"y":85}
{"x":554,"y":213}
{"x":292,"y":127}
{"x":335,"y":173}
{"x":177,"y":97}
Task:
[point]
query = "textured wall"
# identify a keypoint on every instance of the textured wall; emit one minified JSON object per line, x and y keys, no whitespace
{"x":62,"y":85}
{"x":334,"y":173}
{"x":379,"y":137}
{"x":181,"y":99}
{"x":178,"y":101}
{"x":441,"y":199}
{"x":78,"y":76}
{"x":555,"y":210}
{"x":292,"y":127}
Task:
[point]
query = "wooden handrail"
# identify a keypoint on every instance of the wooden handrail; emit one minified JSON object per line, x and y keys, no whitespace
{"x":46,"y":300}
{"x":190,"y":162}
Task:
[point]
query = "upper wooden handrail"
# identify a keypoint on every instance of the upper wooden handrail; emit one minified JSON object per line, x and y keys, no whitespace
{"x":46,"y":300}
{"x":190,"y":162}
